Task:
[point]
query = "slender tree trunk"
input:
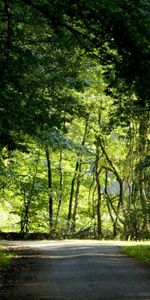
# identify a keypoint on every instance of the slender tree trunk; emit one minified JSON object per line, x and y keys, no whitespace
{"x":60,"y":186}
{"x":90,"y":200}
{"x":76,"y":198}
{"x":109,"y":207}
{"x":49,"y":174}
{"x":119,"y":179}
{"x":97,"y":175}
{"x":120,"y":182}
{"x":72,"y":195}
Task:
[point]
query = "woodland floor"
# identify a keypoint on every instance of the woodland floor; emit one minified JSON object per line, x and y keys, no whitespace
{"x":73,"y":270}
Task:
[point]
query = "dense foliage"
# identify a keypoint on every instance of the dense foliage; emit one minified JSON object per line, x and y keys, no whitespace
{"x":74,"y":118}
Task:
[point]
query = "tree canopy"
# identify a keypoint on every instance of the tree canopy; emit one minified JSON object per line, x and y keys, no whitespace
{"x":74,"y":117}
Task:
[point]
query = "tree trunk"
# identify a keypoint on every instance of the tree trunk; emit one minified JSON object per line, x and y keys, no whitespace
{"x":97,"y":174}
{"x":112,"y":169}
{"x":76,"y":198}
{"x":60,"y":187}
{"x":109,"y":208}
{"x":72,"y":195}
{"x":49,"y":182}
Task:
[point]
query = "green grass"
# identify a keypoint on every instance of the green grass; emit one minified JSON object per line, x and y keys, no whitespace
{"x":5,"y":257}
{"x":140,"y":252}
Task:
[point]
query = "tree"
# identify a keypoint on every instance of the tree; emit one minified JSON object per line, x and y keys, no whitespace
{"x":49,"y":180}
{"x":39,"y":72}
{"x":62,"y":62}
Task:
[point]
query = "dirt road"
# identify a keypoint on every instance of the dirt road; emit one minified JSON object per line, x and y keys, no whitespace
{"x":76,"y":270}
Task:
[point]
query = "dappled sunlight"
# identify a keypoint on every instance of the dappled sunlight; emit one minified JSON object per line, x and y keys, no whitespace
{"x":68,"y":243}
{"x":74,"y":255}
{"x":94,"y":270}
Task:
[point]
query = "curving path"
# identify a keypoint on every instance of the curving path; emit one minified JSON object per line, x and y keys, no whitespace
{"x":77,"y":270}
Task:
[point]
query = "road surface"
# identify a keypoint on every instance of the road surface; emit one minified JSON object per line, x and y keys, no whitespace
{"x":77,"y":270}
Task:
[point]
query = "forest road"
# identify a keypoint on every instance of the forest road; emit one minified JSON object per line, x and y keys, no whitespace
{"x":77,"y":270}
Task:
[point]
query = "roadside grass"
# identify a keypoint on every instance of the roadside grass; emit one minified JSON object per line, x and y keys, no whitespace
{"x":5,"y":257}
{"x":140,"y":252}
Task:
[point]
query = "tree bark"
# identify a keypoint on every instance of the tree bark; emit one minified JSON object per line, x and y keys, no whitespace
{"x":49,"y":182}
{"x":97,"y":174}
{"x":76,"y":198}
{"x":72,"y":195}
{"x":60,"y":187}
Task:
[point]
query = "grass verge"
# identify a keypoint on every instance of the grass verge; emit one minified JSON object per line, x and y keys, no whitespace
{"x":140,"y":252}
{"x":5,"y":257}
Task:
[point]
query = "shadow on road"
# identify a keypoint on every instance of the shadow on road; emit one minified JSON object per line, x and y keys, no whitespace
{"x":74,"y":271}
